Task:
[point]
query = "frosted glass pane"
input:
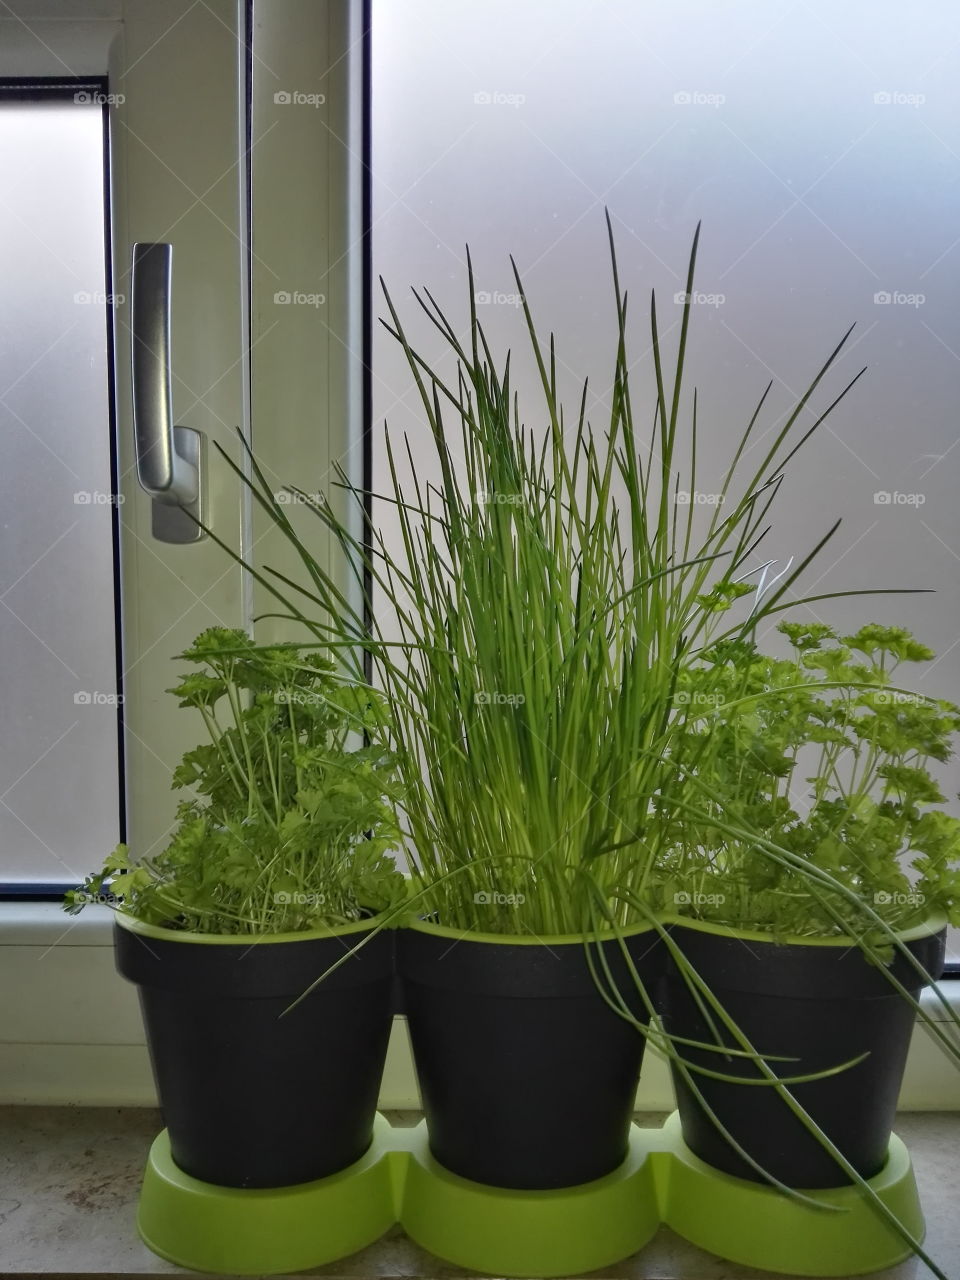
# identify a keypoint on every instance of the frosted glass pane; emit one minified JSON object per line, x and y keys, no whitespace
{"x":59,"y":787}
{"x":818,"y":144}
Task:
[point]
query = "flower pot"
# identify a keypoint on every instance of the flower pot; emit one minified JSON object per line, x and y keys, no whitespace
{"x":254,"y":1095}
{"x":527,"y":1076}
{"x":819,"y":1002}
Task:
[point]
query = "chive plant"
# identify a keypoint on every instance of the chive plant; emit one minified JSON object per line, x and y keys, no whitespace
{"x":544,"y":597}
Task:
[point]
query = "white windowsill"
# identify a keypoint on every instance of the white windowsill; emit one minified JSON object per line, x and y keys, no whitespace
{"x":45,"y":924}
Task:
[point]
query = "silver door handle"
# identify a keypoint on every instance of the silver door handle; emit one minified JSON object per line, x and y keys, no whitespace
{"x":170,"y":459}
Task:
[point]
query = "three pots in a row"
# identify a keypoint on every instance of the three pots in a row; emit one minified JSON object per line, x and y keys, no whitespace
{"x":527,"y":1073}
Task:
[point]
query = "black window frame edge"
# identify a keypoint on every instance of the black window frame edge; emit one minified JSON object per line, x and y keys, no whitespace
{"x":40,"y":89}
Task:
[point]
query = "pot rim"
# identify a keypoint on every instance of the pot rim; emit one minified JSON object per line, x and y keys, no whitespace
{"x":126,"y":921}
{"x":932,"y":925}
{"x":527,"y":940}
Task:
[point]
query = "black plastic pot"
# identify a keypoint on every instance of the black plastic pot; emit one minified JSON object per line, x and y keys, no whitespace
{"x":821,"y":1004}
{"x":251,"y":1098}
{"x":527,"y":1076}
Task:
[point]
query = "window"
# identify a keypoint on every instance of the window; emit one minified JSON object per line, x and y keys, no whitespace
{"x":60,"y":791}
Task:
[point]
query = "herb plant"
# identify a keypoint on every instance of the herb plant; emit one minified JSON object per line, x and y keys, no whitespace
{"x":545,"y":596}
{"x":289,"y":825}
{"x":827,"y":756}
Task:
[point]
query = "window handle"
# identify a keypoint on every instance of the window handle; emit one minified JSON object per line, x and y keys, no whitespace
{"x":170,"y":460}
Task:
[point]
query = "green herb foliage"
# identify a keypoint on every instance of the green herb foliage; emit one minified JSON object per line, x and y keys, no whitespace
{"x":289,"y":826}
{"x":545,"y":596}
{"x":826,"y":756}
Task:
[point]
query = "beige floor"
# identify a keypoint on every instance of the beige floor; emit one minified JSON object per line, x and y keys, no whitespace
{"x":69,"y":1179}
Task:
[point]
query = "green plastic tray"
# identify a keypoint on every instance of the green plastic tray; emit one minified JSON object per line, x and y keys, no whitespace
{"x":523,"y":1233}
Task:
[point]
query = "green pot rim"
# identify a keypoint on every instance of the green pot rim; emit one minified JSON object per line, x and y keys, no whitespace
{"x":525,"y":940}
{"x":932,"y":925}
{"x":140,"y":927}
